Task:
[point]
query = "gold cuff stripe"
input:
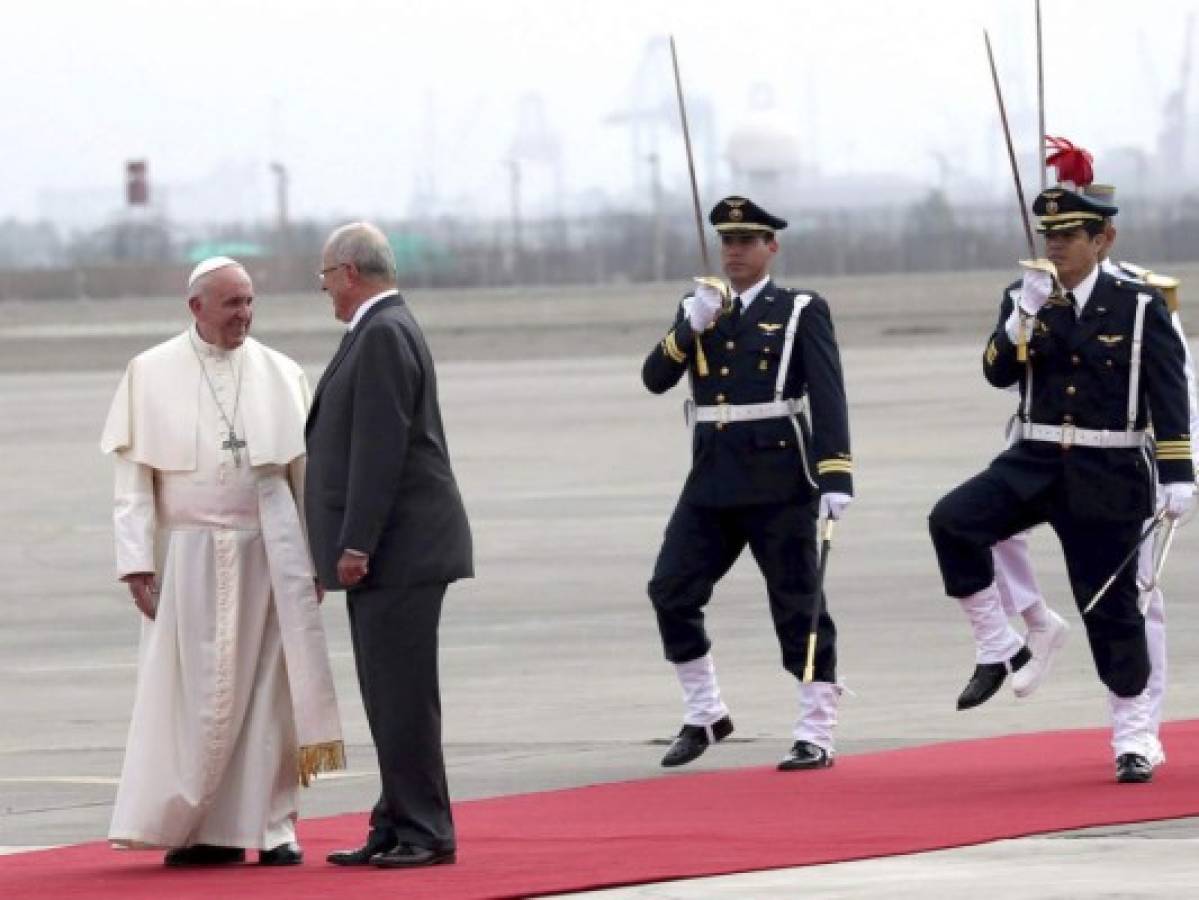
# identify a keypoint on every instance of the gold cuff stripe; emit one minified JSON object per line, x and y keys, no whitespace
{"x":671,"y":348}
{"x":826,"y":468}
{"x":1174,"y":455}
{"x":1172,"y":444}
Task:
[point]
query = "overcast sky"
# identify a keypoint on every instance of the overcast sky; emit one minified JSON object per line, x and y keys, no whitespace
{"x":367,"y":102}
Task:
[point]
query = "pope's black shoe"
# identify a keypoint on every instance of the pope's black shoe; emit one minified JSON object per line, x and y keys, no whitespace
{"x":806,"y":755}
{"x":1132,"y":768}
{"x":987,"y":679}
{"x":204,"y":855}
{"x":410,"y":856}
{"x":693,"y":740}
{"x":378,"y":841}
{"x":288,"y":854}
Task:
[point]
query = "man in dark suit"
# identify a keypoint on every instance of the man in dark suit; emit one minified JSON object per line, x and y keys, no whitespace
{"x":759,"y":476}
{"x":1103,"y":363}
{"x":386,"y":523}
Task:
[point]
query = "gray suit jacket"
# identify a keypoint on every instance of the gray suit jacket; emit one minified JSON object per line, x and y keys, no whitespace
{"x":379,"y":477}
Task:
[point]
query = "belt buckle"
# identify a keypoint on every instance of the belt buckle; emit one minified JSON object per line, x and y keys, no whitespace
{"x":724,"y":414}
{"x":1068,"y":431}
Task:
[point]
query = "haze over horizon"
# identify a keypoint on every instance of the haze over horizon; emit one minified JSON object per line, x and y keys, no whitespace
{"x":384,"y":109}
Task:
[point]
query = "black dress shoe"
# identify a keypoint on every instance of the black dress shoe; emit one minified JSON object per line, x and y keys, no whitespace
{"x":204,"y":855}
{"x":693,"y":740}
{"x":806,"y":755}
{"x":988,"y":677}
{"x":409,"y":856}
{"x":288,"y":854}
{"x":376,"y":842}
{"x":1132,"y":768}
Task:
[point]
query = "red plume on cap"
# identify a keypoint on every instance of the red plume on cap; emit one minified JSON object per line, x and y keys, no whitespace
{"x":1072,"y":163}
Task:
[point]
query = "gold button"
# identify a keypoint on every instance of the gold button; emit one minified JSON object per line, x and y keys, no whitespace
{"x":1109,"y":363}
{"x":1074,"y":359}
{"x":782,"y":443}
{"x":724,"y":370}
{"x":720,"y":398}
{"x":765,"y":349}
{"x":1070,"y":389}
{"x":729,"y":345}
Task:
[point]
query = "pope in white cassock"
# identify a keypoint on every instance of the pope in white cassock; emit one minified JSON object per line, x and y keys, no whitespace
{"x":235,"y":704}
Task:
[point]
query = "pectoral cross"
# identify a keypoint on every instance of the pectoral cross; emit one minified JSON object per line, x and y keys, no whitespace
{"x":234,"y":444}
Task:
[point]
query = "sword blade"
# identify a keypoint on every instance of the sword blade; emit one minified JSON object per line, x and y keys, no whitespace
{"x":699,"y":217}
{"x":1040,"y":97}
{"x":1011,"y":152}
{"x":1153,"y":525}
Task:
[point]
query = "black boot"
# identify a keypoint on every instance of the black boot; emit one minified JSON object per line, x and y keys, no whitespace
{"x":1132,"y":768}
{"x":806,"y":755}
{"x":693,"y":740}
{"x":987,"y":679}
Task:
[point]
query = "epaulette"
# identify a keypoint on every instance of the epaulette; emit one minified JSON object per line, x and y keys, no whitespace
{"x":1139,"y":277}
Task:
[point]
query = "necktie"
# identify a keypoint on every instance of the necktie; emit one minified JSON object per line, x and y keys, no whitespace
{"x":735,"y":312}
{"x":1073,"y":302}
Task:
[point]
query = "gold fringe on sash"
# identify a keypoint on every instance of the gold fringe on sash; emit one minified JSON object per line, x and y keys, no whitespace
{"x":321,"y":758}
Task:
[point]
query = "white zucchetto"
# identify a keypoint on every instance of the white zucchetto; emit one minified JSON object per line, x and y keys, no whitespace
{"x":209,"y":265}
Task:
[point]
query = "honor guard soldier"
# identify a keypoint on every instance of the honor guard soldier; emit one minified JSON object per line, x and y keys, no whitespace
{"x":1014,"y":575}
{"x":760,"y":475}
{"x":1102,"y":364}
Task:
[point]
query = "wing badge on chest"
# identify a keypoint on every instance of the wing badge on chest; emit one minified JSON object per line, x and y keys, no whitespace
{"x":769,"y":327}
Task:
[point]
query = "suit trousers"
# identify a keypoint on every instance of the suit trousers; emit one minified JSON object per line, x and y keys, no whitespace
{"x":701,"y":545}
{"x":984,"y":510}
{"x":394,"y":633}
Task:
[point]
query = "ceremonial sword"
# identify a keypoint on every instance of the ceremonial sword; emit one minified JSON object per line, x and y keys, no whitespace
{"x":1040,"y":98}
{"x":1033,"y":262}
{"x":826,"y":543}
{"x":1153,"y":525}
{"x":701,"y":363}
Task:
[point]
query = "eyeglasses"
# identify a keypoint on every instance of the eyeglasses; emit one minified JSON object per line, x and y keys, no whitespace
{"x":325,"y":271}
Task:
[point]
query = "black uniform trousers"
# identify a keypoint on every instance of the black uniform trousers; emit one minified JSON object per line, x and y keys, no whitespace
{"x":968,"y":521}
{"x":394,"y":631}
{"x":701,"y":545}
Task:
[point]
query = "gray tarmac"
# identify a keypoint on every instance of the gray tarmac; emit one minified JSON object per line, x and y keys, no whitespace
{"x":552,"y":672}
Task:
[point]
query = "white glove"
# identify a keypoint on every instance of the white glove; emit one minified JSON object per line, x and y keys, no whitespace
{"x":1035,"y":290}
{"x":1179,"y":498}
{"x":834,"y":504}
{"x":705,"y":307}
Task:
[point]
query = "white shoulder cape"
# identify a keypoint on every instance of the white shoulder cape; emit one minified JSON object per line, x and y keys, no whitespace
{"x":152,"y":419}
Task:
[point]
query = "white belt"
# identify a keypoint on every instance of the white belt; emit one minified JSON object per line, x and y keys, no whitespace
{"x":747,"y":412}
{"x":1068,"y":435}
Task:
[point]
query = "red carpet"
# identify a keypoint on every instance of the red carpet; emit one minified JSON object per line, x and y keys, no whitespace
{"x":681,"y":826}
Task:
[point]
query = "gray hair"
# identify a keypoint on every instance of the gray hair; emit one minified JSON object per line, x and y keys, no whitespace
{"x":366,"y":247}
